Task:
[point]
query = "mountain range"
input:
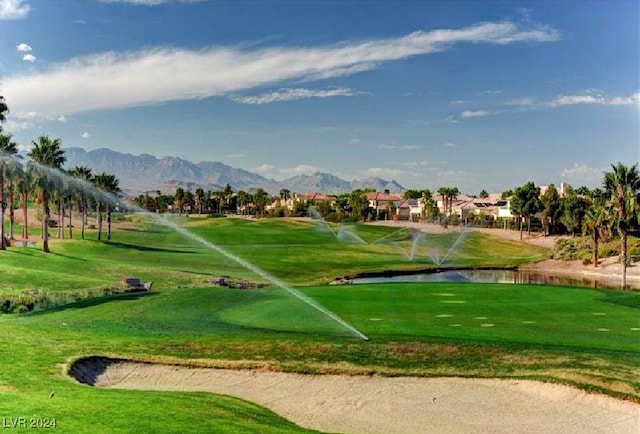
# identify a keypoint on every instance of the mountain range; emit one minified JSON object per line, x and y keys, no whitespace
{"x":145,"y":173}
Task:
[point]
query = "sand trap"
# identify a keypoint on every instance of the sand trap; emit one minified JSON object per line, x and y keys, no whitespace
{"x":356,"y":404}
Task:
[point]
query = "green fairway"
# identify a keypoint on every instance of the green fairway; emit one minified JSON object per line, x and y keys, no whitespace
{"x":588,"y":338}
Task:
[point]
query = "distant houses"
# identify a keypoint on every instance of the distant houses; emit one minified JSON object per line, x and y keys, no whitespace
{"x":386,"y":206}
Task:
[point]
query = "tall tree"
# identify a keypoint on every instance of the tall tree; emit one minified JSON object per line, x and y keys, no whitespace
{"x":444,"y":192}
{"x":594,"y":223}
{"x":199,"y":199}
{"x":8,"y":148}
{"x":14,"y":174}
{"x":574,"y":209}
{"x":25,"y":184}
{"x":108,"y":186}
{"x":227,"y":195}
{"x":260,"y":199}
{"x":453,"y":193}
{"x":525,"y":202}
{"x":243,"y":200}
{"x":84,"y":176}
{"x":429,"y":206}
{"x":552,"y":208}
{"x":483,"y":194}
{"x":47,"y":154}
{"x":4,"y":109}
{"x":178,"y":199}
{"x":622,"y":184}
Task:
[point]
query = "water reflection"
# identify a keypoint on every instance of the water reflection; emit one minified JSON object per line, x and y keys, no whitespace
{"x":502,"y":276}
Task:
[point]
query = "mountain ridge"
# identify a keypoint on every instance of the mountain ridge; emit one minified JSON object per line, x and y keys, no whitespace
{"x":143,"y":173}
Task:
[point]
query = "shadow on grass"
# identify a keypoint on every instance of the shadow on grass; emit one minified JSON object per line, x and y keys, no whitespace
{"x":75,"y":258}
{"x":91,"y":302}
{"x":129,"y":246}
{"x":626,"y":298}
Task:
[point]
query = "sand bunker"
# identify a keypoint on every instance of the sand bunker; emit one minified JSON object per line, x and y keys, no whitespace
{"x":357,"y":404}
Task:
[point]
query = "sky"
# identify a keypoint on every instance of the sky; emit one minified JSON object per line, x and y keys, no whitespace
{"x":473,"y":94}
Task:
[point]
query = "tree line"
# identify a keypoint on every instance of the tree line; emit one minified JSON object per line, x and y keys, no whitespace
{"x":43,"y":179}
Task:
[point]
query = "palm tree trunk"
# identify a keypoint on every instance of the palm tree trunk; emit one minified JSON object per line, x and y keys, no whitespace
{"x":3,"y":245}
{"x":83,"y":217}
{"x":99,"y":217}
{"x":61,"y":219}
{"x":12,"y":205}
{"x":70,"y":223}
{"x":595,"y":247}
{"x":108,"y":223}
{"x":25,"y":210}
{"x":624,"y":259}
{"x":45,"y":229}
{"x":521,"y":227}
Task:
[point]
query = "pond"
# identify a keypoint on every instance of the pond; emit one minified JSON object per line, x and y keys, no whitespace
{"x":501,"y":276}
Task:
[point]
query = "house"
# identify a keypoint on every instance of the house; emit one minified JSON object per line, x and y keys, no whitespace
{"x":410,"y":210}
{"x":382,"y":202}
{"x":313,"y":198}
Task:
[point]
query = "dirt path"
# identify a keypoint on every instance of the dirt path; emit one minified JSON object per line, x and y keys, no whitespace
{"x":356,"y":404}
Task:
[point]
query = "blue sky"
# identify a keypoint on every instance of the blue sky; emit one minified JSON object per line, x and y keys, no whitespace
{"x":478,"y":95}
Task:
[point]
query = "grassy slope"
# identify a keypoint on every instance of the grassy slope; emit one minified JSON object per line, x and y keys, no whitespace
{"x":270,"y":328}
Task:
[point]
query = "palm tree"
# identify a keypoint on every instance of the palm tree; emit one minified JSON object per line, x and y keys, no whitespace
{"x":453,"y":193}
{"x":3,"y":111}
{"x":106,"y":183}
{"x":199,"y":199}
{"x":14,"y":173}
{"x":25,"y":184}
{"x":595,"y":221}
{"x":83,"y":174}
{"x":622,"y":185}
{"x":7,"y":148}
{"x":443,"y":191}
{"x":260,"y":199}
{"x":243,"y":199}
{"x":112,"y":186}
{"x":46,"y":153}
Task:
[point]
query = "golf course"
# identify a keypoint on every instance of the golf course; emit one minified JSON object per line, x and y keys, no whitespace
{"x":68,"y":320}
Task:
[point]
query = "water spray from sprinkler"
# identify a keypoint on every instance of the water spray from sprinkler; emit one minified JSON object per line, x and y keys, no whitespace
{"x":87,"y":186}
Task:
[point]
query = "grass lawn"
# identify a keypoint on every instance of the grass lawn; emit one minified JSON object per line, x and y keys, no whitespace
{"x":589,"y":338}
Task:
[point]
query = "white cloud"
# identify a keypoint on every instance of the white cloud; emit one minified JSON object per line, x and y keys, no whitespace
{"x":29,"y":58}
{"x":119,"y":80}
{"x":576,"y":99}
{"x":235,"y":156}
{"x":583,"y":172}
{"x":13,"y":9}
{"x":14,"y":125}
{"x":291,"y":95}
{"x":62,"y":118}
{"x":23,"y":48}
{"x":354,"y":141}
{"x":86,"y":135}
{"x":522,"y":102}
{"x":475,"y":113}
{"x":457,"y":102}
{"x":589,"y":97}
{"x":398,"y":147}
{"x":628,"y":100}
{"x":302,"y":169}
{"x":450,"y":145}
{"x":264,"y":168}
{"x":416,"y":163}
{"x":151,"y":2}
{"x":385,"y":172}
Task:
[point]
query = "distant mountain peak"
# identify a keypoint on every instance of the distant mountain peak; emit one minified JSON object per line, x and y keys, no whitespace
{"x":141,"y":173}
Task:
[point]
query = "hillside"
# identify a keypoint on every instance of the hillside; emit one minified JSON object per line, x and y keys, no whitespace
{"x":146,"y":173}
